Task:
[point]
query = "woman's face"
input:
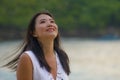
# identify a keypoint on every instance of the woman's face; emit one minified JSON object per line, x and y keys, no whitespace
{"x":45,"y":27}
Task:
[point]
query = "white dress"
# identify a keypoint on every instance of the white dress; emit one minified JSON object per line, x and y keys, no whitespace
{"x":40,"y":73}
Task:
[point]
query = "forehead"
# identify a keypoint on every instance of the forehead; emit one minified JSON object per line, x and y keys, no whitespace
{"x":43,"y":16}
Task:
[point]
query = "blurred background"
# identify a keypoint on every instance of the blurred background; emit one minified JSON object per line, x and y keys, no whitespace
{"x":90,"y":31}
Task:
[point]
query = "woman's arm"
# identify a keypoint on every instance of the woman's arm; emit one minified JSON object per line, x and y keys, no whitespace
{"x":25,"y":68}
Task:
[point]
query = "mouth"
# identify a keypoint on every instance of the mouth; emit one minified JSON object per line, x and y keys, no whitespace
{"x":50,"y":29}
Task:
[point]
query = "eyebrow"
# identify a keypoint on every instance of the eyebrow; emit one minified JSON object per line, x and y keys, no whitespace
{"x":45,"y":19}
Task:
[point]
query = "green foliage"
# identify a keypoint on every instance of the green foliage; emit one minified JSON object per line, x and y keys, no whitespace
{"x":69,"y":14}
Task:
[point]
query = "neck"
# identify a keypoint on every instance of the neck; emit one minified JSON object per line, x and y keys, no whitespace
{"x":48,"y":47}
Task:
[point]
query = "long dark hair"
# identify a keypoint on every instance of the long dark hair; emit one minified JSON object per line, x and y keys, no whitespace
{"x":31,"y":43}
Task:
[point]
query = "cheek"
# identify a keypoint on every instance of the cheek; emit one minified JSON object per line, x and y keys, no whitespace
{"x":57,"y":29}
{"x":39,"y":30}
{"x":40,"y":27}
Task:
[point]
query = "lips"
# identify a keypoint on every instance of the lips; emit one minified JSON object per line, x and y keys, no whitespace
{"x":51,"y":29}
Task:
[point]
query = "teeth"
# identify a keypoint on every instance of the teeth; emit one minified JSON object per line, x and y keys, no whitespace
{"x":50,"y":30}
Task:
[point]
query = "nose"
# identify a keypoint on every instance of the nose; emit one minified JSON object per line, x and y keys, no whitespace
{"x":49,"y":24}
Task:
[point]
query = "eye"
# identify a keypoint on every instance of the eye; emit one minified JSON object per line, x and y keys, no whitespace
{"x":52,"y":21}
{"x":42,"y":22}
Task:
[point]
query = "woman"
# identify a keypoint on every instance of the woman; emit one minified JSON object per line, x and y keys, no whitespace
{"x":41,"y":57}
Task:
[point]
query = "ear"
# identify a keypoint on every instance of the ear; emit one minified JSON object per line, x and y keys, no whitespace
{"x":34,"y":34}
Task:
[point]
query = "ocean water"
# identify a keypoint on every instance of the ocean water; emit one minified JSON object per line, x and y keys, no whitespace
{"x":89,"y":59}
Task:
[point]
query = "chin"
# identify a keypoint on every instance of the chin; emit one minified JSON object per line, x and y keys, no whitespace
{"x":51,"y":36}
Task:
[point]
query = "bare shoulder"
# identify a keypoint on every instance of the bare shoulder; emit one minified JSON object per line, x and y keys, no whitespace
{"x":24,"y":68}
{"x":25,"y":60}
{"x":25,"y":57}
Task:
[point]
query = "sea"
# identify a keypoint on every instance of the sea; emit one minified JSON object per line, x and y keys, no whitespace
{"x":89,"y":59}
